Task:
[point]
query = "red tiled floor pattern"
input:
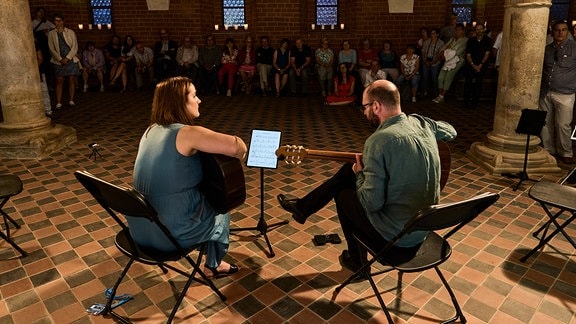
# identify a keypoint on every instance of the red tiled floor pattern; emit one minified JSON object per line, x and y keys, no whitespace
{"x":72,"y":257}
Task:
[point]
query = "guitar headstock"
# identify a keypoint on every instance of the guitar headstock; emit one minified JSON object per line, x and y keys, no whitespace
{"x":291,"y":154}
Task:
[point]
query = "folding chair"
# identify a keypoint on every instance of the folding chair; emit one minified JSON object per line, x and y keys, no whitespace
{"x":127,"y":201}
{"x":10,"y":185}
{"x":557,"y":197}
{"x":434,"y":251}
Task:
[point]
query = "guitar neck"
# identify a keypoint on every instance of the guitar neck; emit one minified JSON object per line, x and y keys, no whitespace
{"x":331,"y":155}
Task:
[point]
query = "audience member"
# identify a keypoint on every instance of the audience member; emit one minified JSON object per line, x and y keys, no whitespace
{"x":41,"y":26}
{"x":325,"y":64}
{"x":409,"y":67}
{"x":424,"y":36}
{"x":187,"y":59}
{"x":477,"y":55}
{"x":389,"y":61}
{"x":264,"y":58}
{"x":497,"y":50}
{"x":348,"y":55}
{"x":449,"y":31}
{"x":144,"y":58}
{"x":300,"y":60}
{"x":397,"y":175}
{"x":229,"y":67}
{"x":165,"y":56}
{"x":366,"y":55}
{"x":43,"y":85}
{"x":375,"y":73}
{"x":116,"y":66}
{"x":557,"y":93}
{"x":93,"y":63}
{"x":168,"y":172}
{"x":453,"y":55}
{"x":63,"y":49}
{"x":281,"y":63}
{"x":247,"y":64}
{"x":127,"y":57}
{"x":343,"y":88}
{"x":431,"y":62}
{"x":209,"y":59}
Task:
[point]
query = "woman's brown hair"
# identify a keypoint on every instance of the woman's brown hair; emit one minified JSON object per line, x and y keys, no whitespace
{"x":169,"y":103}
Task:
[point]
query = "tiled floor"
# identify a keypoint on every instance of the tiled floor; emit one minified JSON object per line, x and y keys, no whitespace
{"x":72,"y":257}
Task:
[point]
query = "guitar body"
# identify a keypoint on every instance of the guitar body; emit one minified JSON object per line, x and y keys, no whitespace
{"x":223,"y":183}
{"x":293,"y":154}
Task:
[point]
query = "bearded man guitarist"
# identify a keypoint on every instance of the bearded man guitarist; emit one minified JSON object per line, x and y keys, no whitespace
{"x":397,"y":174}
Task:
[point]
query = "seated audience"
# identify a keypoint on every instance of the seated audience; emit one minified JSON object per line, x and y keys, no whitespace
{"x":209,"y":60}
{"x":264,"y":58}
{"x":366,"y":55}
{"x":389,"y":61}
{"x":127,"y":58}
{"x":325,"y":64}
{"x":93,"y":63}
{"x":300,"y":60}
{"x":168,"y":172}
{"x":187,"y":59}
{"x":281,"y":63}
{"x":247,"y":62}
{"x":144,"y":58}
{"x":165,"y":56}
{"x":409,"y":67}
{"x":229,"y":67}
{"x":375,"y":73}
{"x":348,"y":55}
{"x":343,"y":88}
{"x":116,"y":66}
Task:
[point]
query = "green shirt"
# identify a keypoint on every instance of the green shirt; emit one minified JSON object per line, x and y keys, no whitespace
{"x":401,"y":173}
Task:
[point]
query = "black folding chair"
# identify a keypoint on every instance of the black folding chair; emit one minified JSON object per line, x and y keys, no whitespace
{"x":10,"y":185}
{"x":434,"y":251}
{"x":127,"y":201}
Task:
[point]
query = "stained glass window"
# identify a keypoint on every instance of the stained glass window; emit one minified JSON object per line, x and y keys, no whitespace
{"x":233,"y":12}
{"x":326,"y":12}
{"x":101,"y":12}
{"x":463,"y":9}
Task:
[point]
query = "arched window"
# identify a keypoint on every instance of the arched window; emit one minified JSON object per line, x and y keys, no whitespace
{"x":326,"y":12}
{"x":233,"y":12}
{"x":101,"y":13}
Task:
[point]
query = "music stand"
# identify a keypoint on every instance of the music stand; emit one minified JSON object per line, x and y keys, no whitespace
{"x":262,"y":154}
{"x":530,"y":123}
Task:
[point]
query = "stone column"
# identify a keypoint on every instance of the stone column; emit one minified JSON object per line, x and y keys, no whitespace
{"x":523,"y":42}
{"x":25,"y":131}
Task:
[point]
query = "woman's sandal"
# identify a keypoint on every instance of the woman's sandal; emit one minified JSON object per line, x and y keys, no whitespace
{"x":219,"y":274}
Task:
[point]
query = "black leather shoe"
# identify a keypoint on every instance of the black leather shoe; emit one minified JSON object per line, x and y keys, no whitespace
{"x":290,"y":205}
{"x":348,"y":262}
{"x":219,"y":274}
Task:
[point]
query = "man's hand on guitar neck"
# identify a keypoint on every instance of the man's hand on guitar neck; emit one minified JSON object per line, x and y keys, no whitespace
{"x":357,"y":167}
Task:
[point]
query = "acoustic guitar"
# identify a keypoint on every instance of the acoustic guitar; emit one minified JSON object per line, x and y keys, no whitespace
{"x":293,"y":154}
{"x":223,"y":183}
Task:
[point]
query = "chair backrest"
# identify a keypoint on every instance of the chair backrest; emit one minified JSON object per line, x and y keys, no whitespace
{"x":127,"y":201}
{"x":456,"y":215}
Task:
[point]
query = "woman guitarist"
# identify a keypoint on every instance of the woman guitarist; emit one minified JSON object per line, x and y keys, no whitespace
{"x":168,"y":172}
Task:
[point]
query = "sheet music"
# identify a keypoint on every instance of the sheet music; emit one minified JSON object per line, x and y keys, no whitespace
{"x":263,"y":146}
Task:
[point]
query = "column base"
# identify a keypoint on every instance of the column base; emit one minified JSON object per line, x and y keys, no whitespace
{"x":35,"y":144}
{"x":505,"y":154}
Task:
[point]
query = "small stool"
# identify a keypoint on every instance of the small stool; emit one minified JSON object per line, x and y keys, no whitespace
{"x":10,"y":185}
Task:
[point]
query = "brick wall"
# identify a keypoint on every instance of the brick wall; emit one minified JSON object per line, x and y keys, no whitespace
{"x":277,"y":19}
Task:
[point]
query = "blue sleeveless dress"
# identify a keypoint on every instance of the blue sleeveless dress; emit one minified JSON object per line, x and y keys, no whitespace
{"x":169,"y":180}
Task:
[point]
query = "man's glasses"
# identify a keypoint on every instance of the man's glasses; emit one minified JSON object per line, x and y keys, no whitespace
{"x":366,"y":105}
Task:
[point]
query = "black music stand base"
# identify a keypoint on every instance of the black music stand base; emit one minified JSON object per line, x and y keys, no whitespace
{"x":530,"y":123}
{"x":262,"y":227}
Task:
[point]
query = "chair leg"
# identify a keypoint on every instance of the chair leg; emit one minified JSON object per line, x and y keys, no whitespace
{"x":459,"y":313}
{"x":14,"y":245}
{"x":380,"y":300}
{"x":108,"y":309}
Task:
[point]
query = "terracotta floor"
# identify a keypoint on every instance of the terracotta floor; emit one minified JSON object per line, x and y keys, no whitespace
{"x":72,"y":257}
